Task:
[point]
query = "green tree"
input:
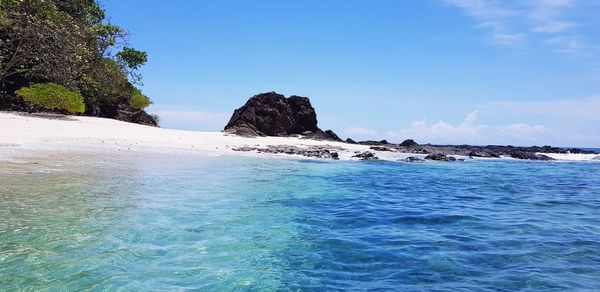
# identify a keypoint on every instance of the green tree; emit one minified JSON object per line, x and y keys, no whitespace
{"x":132,"y":60}
{"x":69,"y":43}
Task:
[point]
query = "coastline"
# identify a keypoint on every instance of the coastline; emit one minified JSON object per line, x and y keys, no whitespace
{"x":23,"y":135}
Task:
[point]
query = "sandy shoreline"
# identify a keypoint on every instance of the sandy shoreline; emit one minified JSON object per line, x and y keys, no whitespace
{"x":23,"y":134}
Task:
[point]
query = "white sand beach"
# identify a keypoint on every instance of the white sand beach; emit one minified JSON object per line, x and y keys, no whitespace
{"x":24,"y":134}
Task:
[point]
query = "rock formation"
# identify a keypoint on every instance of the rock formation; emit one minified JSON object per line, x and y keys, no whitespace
{"x":272,"y":114}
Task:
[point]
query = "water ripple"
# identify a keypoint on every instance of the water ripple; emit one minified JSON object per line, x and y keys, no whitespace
{"x":172,"y":223}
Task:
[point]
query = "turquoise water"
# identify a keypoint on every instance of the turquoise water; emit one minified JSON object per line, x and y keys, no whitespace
{"x":158,"y":222}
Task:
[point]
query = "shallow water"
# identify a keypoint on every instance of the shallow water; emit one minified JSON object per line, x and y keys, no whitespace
{"x":158,"y":222}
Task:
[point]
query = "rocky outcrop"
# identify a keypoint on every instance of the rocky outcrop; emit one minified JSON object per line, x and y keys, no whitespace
{"x":272,"y":114}
{"x":409,"y":143}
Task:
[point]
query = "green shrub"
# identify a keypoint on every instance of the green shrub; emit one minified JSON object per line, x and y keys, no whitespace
{"x":53,"y":96}
{"x":139,"y":101}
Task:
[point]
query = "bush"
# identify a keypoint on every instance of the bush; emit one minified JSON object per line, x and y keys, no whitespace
{"x":53,"y":96}
{"x":139,"y":101}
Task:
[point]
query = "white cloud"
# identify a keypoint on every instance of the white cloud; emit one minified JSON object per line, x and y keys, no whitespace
{"x":360,"y":132}
{"x":472,"y":117}
{"x":493,"y":16}
{"x":524,"y":131}
{"x":441,"y":132}
{"x":573,"y":122}
{"x":186,"y":119}
{"x":469,"y":133}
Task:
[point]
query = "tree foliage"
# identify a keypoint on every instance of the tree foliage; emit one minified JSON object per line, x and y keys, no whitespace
{"x":132,"y":60}
{"x":53,"y":96}
{"x":139,"y":101}
{"x":68,"y":43}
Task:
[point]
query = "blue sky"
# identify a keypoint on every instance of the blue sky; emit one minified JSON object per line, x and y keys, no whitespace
{"x":441,"y":71}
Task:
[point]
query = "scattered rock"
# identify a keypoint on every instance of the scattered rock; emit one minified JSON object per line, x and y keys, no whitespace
{"x":367,"y":155}
{"x":371,"y":142}
{"x":413,"y":159}
{"x":380,"y":148}
{"x":439,"y":157}
{"x":530,"y":156}
{"x":312,"y":151}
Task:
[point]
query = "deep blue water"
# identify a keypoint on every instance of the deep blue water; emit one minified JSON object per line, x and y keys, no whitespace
{"x":237,"y":223}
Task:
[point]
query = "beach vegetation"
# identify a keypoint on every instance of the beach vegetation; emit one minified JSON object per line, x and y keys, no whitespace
{"x":53,"y":96}
{"x":139,"y":101}
{"x":70,"y":43}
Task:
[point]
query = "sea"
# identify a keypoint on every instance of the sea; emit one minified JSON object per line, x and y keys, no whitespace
{"x":166,"y":222}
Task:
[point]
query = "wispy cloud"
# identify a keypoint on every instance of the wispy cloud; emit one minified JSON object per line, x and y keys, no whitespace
{"x":549,"y":22}
{"x":553,"y":27}
{"x":493,"y":16}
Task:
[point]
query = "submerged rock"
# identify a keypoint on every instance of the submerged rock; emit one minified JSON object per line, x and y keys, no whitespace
{"x":272,"y":114}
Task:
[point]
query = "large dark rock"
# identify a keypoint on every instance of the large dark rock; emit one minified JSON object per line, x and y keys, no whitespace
{"x":272,"y":114}
{"x":409,"y":143}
